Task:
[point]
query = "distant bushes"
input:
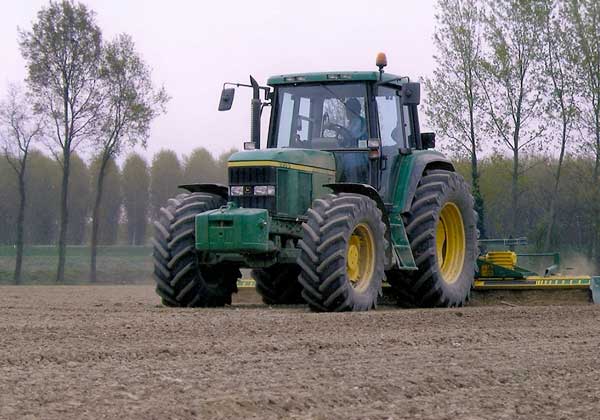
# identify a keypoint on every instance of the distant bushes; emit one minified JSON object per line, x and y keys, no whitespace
{"x":134,"y":191}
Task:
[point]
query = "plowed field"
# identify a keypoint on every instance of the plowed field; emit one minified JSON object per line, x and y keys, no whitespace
{"x":112,"y":352}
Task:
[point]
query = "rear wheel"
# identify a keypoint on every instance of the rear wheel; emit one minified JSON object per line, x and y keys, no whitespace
{"x":442,"y":231}
{"x":342,"y":253}
{"x":180,"y":280}
{"x":278,"y":285}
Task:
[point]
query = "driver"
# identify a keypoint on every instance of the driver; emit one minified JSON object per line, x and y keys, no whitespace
{"x":357,"y":126}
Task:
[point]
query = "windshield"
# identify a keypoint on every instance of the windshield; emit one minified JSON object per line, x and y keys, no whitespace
{"x":324,"y":116}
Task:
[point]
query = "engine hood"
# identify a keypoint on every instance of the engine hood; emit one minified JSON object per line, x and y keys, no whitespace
{"x":301,"y":159}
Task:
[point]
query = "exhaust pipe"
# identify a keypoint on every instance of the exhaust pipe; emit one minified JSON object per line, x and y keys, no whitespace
{"x":256,"y":105}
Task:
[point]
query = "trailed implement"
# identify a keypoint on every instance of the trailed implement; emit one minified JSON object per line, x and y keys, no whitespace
{"x":500,"y":270}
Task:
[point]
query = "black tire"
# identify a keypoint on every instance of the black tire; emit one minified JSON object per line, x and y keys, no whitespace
{"x":180,"y":280}
{"x":323,"y":260}
{"x":427,"y":287}
{"x":278,"y":285}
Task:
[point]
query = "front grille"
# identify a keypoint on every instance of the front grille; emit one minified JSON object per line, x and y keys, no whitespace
{"x":251,"y":176}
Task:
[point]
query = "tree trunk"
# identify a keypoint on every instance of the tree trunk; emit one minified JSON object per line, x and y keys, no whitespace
{"x":554,"y":197}
{"x":595,"y":251}
{"x":479,"y":208}
{"x":477,"y":195}
{"x":64,"y":216}
{"x":515,"y":192}
{"x":95,"y":219}
{"x":20,"y":225}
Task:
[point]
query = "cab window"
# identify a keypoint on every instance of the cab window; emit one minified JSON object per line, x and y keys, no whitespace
{"x":390,"y":118}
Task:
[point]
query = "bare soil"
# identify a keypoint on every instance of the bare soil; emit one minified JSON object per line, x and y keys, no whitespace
{"x":109,"y":352}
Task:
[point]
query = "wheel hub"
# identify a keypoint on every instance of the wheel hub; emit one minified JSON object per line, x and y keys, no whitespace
{"x":360,"y":257}
{"x":450,"y":243}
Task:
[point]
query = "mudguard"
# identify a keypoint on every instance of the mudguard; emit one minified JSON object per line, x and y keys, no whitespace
{"x":412,"y":167}
{"x":217,"y":189}
{"x":363,"y":189}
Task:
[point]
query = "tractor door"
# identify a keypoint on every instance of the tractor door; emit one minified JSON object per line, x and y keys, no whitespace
{"x":398,"y":130}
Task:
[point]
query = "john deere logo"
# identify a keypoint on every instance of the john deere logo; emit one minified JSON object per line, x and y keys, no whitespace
{"x":247,"y":190}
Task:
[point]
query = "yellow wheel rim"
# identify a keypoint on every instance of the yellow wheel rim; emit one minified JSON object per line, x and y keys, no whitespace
{"x":450,"y":243}
{"x":360,"y":257}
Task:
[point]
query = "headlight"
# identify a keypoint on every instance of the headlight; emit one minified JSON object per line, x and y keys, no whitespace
{"x":236,"y":190}
{"x":264,"y":190}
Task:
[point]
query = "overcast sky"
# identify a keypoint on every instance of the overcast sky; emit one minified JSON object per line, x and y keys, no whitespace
{"x":195,"y":46}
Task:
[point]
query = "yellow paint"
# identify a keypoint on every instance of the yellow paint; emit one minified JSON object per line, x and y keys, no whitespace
{"x":450,"y":243}
{"x":506,"y":259}
{"x":486,"y":270}
{"x":557,"y":282}
{"x":360,"y":257}
{"x":276,"y":164}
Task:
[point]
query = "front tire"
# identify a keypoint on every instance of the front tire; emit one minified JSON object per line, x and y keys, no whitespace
{"x":342,"y":253}
{"x":442,"y":231}
{"x":180,"y":280}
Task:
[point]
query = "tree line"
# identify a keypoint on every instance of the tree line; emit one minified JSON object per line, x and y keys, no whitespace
{"x":134,"y":192}
{"x":80,"y":90}
{"x":517,"y":86}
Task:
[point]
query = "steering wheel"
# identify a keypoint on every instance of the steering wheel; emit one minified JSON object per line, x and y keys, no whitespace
{"x":342,"y":134}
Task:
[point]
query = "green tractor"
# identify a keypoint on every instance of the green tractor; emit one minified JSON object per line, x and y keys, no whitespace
{"x":347,"y":194}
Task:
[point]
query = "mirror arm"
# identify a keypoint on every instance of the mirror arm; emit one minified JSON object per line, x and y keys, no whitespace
{"x":266,"y":89}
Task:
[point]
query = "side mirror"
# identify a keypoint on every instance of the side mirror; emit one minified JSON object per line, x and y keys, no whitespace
{"x":226,"y":100}
{"x":428,"y":140}
{"x":411,"y":93}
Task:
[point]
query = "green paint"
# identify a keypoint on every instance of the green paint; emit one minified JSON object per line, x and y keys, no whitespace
{"x":308,"y":157}
{"x":334,"y":76}
{"x":233,"y":229}
{"x":595,"y":289}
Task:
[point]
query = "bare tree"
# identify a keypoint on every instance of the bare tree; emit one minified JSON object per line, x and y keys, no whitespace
{"x":562,"y":97}
{"x":62,"y":52}
{"x":131,"y":103}
{"x":583,"y":25}
{"x":511,"y":80}
{"x":19,"y":129}
{"x":454,"y":98}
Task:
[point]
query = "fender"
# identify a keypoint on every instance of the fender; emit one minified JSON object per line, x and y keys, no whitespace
{"x":418,"y":163}
{"x":217,"y":189}
{"x":362,"y":189}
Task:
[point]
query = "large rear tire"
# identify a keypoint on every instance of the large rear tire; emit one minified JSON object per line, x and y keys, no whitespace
{"x":342,"y":253}
{"x":442,"y":231}
{"x":278,"y":285}
{"x":180,"y":280}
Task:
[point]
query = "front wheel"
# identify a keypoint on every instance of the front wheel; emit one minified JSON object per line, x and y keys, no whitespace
{"x":180,"y":280}
{"x":342,"y":253}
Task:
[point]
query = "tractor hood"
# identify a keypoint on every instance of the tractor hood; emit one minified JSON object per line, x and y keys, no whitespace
{"x":301,"y":159}
{"x":282,"y":181}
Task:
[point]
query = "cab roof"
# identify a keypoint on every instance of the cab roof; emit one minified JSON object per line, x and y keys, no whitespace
{"x":335,"y":76}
